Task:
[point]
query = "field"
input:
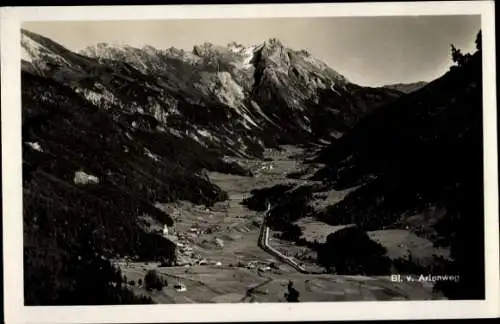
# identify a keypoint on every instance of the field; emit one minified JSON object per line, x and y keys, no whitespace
{"x":210,"y":284}
{"x":219,"y":259}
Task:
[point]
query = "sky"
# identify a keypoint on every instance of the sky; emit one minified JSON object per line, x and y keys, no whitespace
{"x":369,"y":51}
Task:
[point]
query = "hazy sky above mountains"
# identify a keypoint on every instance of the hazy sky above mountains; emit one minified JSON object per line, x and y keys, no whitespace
{"x":370,"y":51}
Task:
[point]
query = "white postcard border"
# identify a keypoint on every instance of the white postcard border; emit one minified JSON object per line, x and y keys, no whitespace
{"x":15,"y":310}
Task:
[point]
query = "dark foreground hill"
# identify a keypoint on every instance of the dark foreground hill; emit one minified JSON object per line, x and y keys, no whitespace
{"x":419,"y":165}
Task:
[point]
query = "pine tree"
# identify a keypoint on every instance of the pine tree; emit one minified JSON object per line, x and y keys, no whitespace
{"x":292,"y":296}
{"x":456,"y":55}
{"x":479,"y":38}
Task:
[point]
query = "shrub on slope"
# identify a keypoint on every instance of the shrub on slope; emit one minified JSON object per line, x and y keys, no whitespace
{"x":350,"y":251}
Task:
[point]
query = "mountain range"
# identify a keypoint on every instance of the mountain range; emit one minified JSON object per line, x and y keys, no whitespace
{"x":255,"y":96}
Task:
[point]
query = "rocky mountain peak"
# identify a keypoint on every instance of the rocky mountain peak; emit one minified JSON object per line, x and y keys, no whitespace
{"x":235,"y":47}
{"x":104,"y":50}
{"x":150,"y":49}
{"x":274,"y":42}
{"x":204,"y":49}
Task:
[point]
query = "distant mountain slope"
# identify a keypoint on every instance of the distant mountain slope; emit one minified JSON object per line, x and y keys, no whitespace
{"x":406,"y":87}
{"x":419,"y":162}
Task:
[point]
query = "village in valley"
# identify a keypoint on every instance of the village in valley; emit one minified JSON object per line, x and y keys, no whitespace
{"x":220,"y":256}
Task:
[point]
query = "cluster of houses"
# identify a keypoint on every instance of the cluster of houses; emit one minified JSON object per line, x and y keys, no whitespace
{"x":265,"y":166}
{"x":186,"y":255}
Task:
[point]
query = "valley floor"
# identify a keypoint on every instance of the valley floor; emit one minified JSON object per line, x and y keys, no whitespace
{"x":220,"y":261}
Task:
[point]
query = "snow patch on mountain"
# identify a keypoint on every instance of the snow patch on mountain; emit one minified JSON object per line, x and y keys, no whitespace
{"x":246,"y":56}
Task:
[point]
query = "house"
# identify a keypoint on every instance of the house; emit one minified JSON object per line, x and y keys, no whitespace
{"x":180,"y":287}
{"x":264,"y":269}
